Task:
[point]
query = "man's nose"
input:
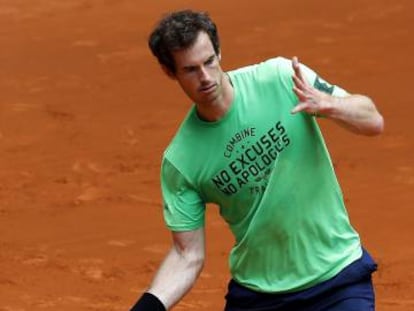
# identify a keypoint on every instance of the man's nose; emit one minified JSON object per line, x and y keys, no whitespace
{"x":203,"y":74}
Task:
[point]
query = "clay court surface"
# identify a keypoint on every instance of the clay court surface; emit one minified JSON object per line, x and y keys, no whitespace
{"x":85,"y":114}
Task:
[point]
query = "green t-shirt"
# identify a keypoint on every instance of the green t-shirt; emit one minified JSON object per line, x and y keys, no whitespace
{"x":270,"y":173}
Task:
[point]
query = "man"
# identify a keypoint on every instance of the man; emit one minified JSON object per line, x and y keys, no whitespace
{"x":251,"y":144}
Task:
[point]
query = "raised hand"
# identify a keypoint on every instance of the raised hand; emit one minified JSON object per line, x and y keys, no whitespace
{"x":311,"y":100}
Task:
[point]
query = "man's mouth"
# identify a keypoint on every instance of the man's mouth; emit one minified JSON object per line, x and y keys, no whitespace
{"x":207,"y":88}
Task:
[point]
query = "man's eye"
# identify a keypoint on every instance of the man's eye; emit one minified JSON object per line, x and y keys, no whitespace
{"x":210,"y":61}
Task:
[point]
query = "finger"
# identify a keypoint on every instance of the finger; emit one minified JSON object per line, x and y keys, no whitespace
{"x":298,"y":83}
{"x":300,"y":94}
{"x":299,"y":108}
{"x":296,"y":68}
{"x":295,"y":61}
{"x":295,"y":65}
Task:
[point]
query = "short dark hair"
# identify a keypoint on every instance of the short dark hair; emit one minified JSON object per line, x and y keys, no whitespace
{"x":179,"y":30}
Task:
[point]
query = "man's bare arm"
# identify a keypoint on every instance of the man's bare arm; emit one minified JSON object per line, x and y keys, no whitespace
{"x":356,"y":113}
{"x":180,"y":268}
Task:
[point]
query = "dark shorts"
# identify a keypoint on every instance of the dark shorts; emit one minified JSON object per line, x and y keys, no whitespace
{"x":350,"y":290}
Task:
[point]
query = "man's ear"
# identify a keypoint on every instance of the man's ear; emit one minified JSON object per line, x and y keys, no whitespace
{"x":219,"y":56}
{"x":168,"y":72}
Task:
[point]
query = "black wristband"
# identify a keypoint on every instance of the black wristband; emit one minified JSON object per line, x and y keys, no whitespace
{"x":148,"y":302}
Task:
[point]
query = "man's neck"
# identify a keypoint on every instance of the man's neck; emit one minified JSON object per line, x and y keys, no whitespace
{"x":216,"y":110}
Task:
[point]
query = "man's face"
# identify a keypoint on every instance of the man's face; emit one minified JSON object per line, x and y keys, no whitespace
{"x":198,"y":71}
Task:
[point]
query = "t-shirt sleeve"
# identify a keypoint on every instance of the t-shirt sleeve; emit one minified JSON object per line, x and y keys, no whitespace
{"x":184,"y":210}
{"x":285,"y":72}
{"x":314,"y":79}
